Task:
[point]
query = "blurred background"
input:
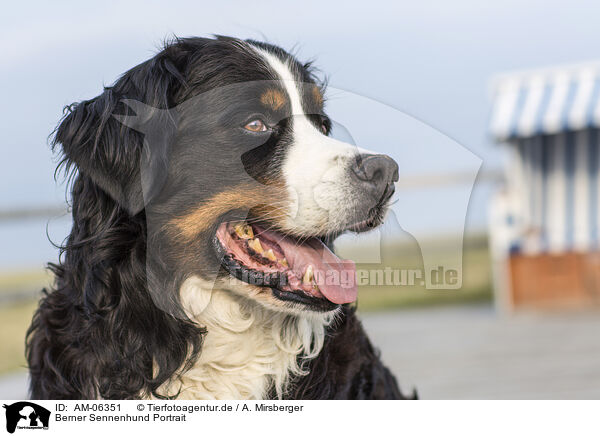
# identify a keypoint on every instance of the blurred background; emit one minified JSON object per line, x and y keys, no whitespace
{"x":497,"y":106}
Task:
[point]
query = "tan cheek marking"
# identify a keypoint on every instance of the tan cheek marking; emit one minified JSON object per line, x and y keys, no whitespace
{"x":273,"y":98}
{"x":270,"y":200}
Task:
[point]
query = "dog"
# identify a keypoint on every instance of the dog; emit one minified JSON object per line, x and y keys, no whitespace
{"x":206,"y":192}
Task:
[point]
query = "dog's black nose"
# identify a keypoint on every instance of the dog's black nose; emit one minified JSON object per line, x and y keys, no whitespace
{"x":378,"y":172}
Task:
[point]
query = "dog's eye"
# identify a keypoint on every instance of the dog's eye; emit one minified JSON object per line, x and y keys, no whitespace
{"x":325,"y":125}
{"x":256,"y":126}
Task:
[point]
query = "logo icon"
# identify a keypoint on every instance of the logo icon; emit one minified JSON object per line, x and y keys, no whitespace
{"x":26,"y":415}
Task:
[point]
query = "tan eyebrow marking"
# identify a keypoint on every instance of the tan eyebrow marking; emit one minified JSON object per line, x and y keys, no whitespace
{"x":273,"y":98}
{"x":317,"y":95}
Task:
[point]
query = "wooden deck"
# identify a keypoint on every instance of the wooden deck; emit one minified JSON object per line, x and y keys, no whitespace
{"x":469,"y":352}
{"x":472,"y":353}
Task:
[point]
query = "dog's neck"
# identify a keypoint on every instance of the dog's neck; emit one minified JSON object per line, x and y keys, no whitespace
{"x":249,"y":351}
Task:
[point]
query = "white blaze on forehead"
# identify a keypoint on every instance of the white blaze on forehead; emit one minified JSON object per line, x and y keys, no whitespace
{"x":316,"y":166}
{"x":286,"y":76}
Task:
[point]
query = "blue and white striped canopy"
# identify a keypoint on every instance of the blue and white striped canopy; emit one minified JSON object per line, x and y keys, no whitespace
{"x":546,"y":101}
{"x":551,"y":118}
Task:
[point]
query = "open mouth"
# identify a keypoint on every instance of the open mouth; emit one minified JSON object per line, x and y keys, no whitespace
{"x":298,"y":270}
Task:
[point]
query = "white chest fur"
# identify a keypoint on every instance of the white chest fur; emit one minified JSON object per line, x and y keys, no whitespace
{"x":248,"y":349}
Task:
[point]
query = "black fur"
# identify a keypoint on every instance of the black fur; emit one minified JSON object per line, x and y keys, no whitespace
{"x":348,"y":368}
{"x":97,"y":334}
{"x":100,"y":332}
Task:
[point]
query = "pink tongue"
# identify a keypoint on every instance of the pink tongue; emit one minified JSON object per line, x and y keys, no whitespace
{"x":335,"y":277}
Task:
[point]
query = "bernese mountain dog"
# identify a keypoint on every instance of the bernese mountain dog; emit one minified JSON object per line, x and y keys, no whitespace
{"x":206,"y":192}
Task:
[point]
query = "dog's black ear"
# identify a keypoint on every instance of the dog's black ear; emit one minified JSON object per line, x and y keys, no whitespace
{"x":114,"y":154}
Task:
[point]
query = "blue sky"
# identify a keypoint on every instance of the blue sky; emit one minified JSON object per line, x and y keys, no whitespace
{"x":430,"y":60}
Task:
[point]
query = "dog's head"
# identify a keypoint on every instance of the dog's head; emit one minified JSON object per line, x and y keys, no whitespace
{"x":224,"y":146}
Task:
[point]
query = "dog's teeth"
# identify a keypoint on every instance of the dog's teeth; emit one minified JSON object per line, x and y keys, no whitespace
{"x":256,"y":246}
{"x":244,"y":231}
{"x":284,"y":262}
{"x":308,"y":276}
{"x":270,"y":255}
